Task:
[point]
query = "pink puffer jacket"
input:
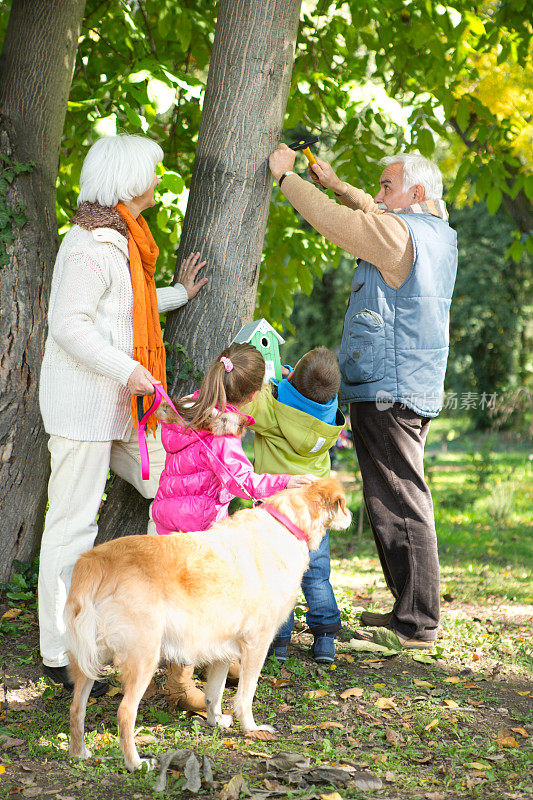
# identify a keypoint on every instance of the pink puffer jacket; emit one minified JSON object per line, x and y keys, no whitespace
{"x":195,"y":489}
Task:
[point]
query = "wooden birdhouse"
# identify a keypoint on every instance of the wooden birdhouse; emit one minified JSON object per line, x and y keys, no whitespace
{"x":262,"y":336}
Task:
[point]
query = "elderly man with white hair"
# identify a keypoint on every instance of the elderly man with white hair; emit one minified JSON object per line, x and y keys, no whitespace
{"x":393,"y":358}
{"x":104,"y":345}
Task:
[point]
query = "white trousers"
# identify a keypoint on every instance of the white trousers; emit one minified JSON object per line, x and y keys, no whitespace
{"x":75,"y":490}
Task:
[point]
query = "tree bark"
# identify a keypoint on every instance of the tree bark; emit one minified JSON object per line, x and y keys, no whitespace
{"x":242,"y":118}
{"x":36,"y":67}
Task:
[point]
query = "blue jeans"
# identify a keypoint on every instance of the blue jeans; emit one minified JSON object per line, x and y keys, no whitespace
{"x":323,"y":614}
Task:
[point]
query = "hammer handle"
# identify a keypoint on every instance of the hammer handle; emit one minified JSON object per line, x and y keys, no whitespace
{"x":309,"y":156}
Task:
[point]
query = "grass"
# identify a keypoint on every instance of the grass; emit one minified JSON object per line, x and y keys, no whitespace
{"x":458,"y":723}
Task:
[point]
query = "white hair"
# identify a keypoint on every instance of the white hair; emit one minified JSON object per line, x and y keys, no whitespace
{"x":118,"y":168}
{"x":418,"y":170}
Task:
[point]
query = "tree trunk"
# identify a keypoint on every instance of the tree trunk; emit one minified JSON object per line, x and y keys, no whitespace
{"x":36,"y":67}
{"x":242,"y":118}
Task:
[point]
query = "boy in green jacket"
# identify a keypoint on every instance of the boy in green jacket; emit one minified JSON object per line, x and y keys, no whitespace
{"x":297,"y":420}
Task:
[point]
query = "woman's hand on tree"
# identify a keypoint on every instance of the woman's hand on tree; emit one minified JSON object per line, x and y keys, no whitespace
{"x":296,"y":481}
{"x":323,"y":174}
{"x":188,"y":272}
{"x":141,"y":381}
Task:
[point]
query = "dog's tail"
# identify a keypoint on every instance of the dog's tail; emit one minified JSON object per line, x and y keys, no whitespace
{"x":81,"y":615}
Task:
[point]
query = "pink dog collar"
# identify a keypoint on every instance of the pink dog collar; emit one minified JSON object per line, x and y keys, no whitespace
{"x":298,"y":532}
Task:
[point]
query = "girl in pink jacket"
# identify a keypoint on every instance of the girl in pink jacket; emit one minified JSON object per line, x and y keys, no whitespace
{"x":205,"y":464}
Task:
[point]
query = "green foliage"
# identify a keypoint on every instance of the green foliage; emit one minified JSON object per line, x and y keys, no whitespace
{"x":10,"y":214}
{"x":180,"y":366}
{"x":489,"y":345}
{"x":369,"y":79}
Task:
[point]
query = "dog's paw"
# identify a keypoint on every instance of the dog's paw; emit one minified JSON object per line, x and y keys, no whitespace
{"x":224,"y":720}
{"x":83,"y":753}
{"x":264,"y":733}
{"x":143,"y":764}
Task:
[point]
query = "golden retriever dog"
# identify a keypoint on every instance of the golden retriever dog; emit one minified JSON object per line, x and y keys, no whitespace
{"x":193,"y":598}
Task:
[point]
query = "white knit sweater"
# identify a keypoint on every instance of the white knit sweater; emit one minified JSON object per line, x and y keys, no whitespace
{"x":88,"y":356}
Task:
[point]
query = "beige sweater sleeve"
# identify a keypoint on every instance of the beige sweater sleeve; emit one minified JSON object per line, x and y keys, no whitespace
{"x":358,"y":226}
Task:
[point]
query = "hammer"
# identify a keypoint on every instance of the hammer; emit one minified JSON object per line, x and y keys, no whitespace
{"x":304,"y":145}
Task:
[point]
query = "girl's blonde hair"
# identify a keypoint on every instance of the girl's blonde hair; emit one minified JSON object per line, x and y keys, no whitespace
{"x":220,"y":387}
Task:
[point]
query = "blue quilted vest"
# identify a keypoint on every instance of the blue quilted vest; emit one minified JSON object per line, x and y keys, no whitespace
{"x":395,"y":342}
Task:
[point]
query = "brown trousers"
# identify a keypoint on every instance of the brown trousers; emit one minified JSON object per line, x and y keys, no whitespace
{"x":390,"y":448}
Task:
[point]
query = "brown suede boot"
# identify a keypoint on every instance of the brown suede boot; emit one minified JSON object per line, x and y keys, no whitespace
{"x":233,"y":673}
{"x":181,"y":689}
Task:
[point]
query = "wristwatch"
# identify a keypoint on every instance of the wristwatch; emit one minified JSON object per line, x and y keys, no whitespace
{"x":282,"y":177}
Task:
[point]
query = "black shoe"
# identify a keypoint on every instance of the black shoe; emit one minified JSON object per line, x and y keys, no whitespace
{"x":60,"y":675}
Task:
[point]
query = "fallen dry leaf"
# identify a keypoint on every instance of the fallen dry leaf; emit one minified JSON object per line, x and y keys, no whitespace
{"x":394,"y":737}
{"x":431,"y":725}
{"x":521,"y":732}
{"x":422,"y":759}
{"x":6,"y":742}
{"x":385,"y":702}
{"x":506,"y":741}
{"x":332,"y":796}
{"x":472,"y":686}
{"x":477,"y":765}
{"x":453,"y":679}
{"x":524,"y":694}
{"x":345,"y":657}
{"x":11,"y":613}
{"x":354,"y":692}
{"x":150,"y":691}
{"x":262,"y":736}
{"x":434,"y":796}
{"x":390,"y":777}
{"x":316,"y":694}
{"x":422,"y":683}
{"x":451,"y":704}
{"x":331,"y":724}
{"x":233,"y":788}
{"x":259,"y":754}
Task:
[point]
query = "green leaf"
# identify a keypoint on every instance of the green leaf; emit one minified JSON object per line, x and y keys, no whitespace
{"x":423,"y":658}
{"x":425,"y":142}
{"x":386,"y":638}
{"x":364,"y":646}
{"x":462,"y":114}
{"x":494,"y":199}
{"x":528,"y":186}
{"x":173,"y":182}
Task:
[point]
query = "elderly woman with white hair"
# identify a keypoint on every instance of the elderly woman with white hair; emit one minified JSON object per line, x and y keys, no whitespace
{"x":104,"y":345}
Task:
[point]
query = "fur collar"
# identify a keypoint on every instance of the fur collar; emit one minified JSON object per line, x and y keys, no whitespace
{"x":92,"y":215}
{"x":229,"y":423}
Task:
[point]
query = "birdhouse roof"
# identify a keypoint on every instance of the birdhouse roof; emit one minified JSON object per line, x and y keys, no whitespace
{"x":257,"y":326}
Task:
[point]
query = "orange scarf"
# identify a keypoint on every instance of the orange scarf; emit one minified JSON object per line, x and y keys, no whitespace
{"x":148,"y":347}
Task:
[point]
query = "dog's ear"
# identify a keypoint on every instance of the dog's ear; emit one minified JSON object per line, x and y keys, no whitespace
{"x":329,"y":494}
{"x":165,"y":413}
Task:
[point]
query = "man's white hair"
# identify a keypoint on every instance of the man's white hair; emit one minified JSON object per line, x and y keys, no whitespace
{"x":418,"y":170}
{"x":118,"y":168}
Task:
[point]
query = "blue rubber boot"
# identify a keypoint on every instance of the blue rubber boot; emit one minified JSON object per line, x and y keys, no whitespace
{"x":324,"y":648}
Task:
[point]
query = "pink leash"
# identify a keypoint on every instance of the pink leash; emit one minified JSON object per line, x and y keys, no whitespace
{"x":143,"y":416}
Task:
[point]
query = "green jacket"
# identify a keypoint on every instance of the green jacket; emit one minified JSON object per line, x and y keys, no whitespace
{"x":288,"y":440}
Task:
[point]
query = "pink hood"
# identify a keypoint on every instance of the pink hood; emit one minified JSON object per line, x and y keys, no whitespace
{"x":195,"y":489}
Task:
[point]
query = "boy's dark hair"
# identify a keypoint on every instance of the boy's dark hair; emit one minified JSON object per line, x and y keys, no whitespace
{"x":317,"y":375}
